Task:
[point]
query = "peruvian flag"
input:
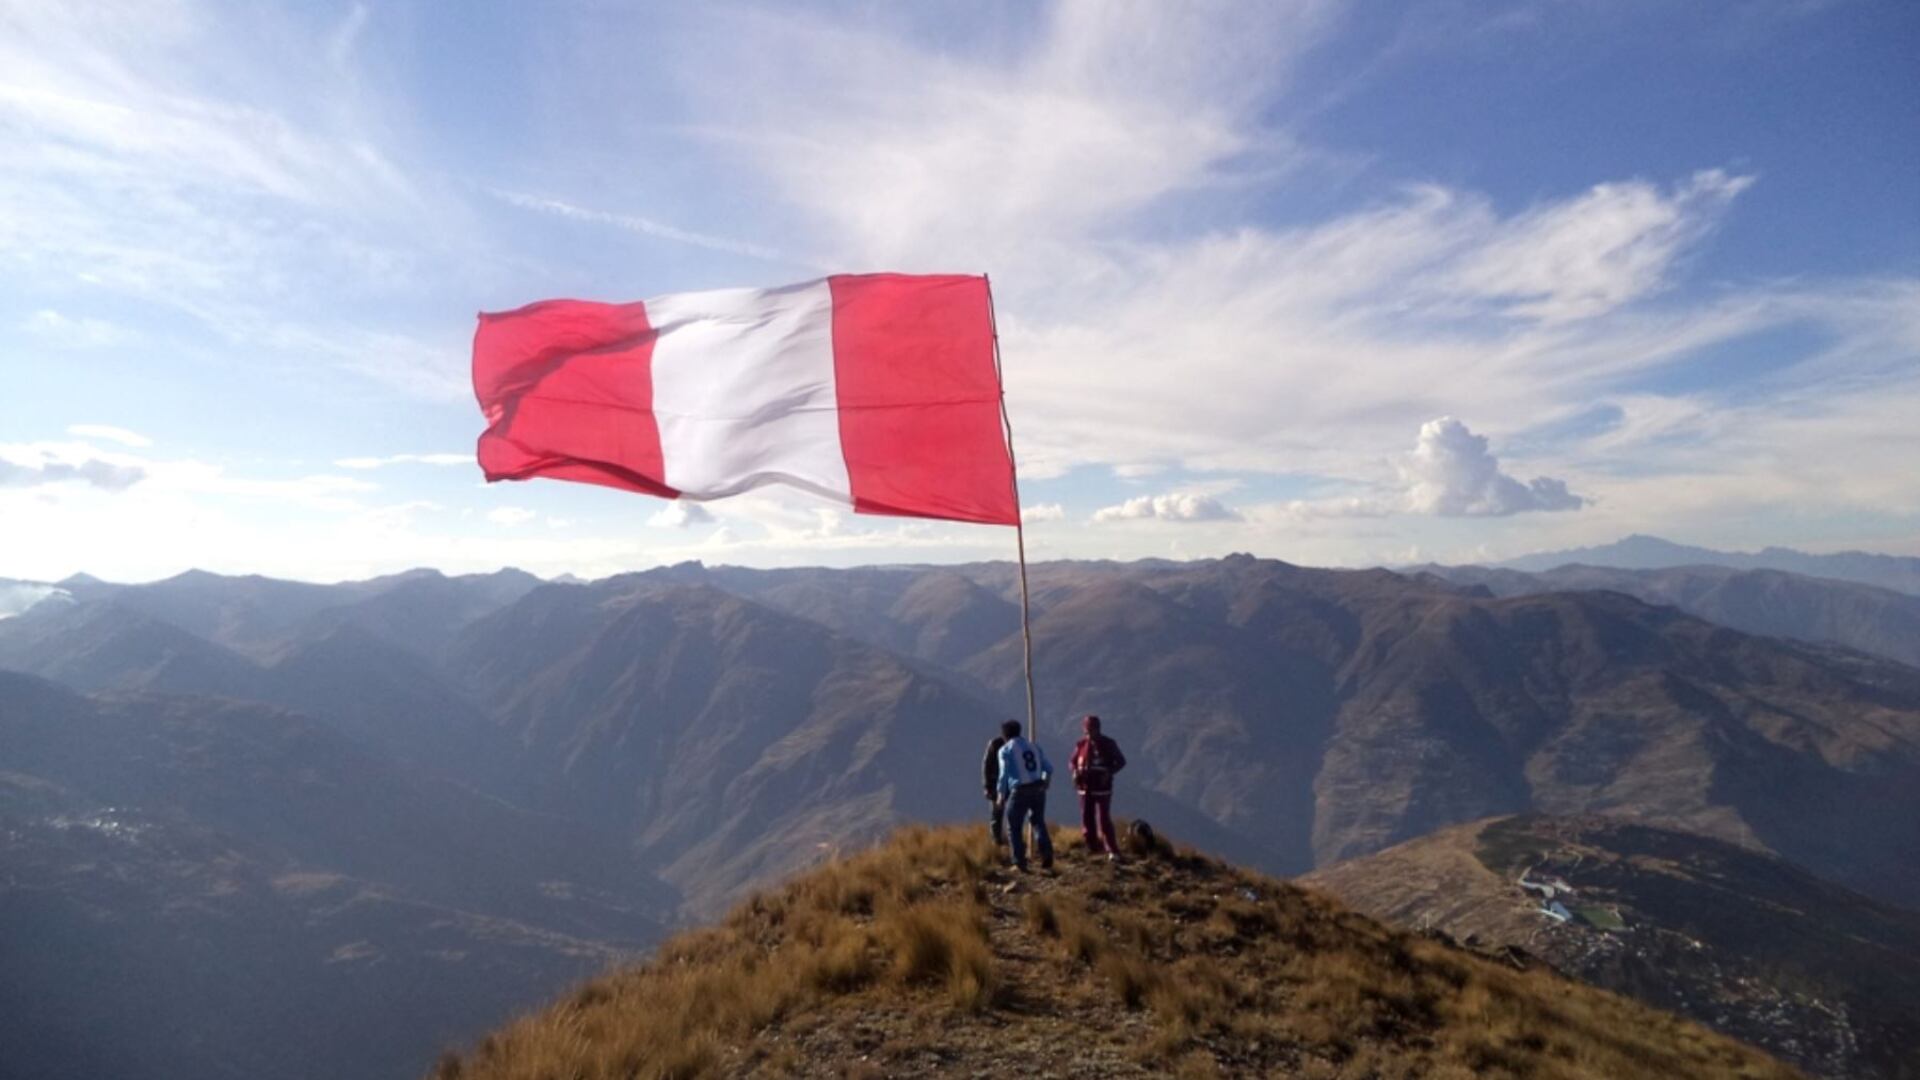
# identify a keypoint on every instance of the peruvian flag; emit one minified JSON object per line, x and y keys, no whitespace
{"x":881,"y":391}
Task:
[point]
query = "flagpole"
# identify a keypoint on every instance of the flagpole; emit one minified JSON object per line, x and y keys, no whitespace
{"x":1019,"y":525}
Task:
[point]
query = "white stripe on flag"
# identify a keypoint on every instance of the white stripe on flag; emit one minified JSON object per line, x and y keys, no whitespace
{"x":744,"y":393}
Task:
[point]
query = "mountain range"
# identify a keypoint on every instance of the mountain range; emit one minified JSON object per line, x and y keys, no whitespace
{"x":1772,"y":603}
{"x":668,"y":741}
{"x":1900,"y":573}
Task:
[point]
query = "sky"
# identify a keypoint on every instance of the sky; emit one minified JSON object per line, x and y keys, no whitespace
{"x":1337,"y":283}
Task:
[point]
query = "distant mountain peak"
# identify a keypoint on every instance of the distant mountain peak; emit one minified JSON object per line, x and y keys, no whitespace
{"x":1642,"y":552}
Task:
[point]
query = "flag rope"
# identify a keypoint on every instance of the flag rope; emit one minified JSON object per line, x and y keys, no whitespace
{"x":1019,"y":524}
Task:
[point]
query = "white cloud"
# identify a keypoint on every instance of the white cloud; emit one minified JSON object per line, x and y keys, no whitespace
{"x":1591,"y":254}
{"x":511,"y":516}
{"x":16,"y":597}
{"x":68,"y":332}
{"x":680,"y":514}
{"x":49,"y":469}
{"x":403,"y":459}
{"x":1346,"y":506}
{"x":110,"y":433}
{"x":1111,"y":170}
{"x":1178,"y":506}
{"x":1451,"y":473}
{"x":907,"y":155}
{"x":1043,"y":512}
{"x":647,"y":227}
{"x":1239,"y":347}
{"x":213,"y":162}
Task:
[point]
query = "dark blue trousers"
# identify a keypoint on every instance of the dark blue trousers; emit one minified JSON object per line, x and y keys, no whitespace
{"x":1029,"y":801}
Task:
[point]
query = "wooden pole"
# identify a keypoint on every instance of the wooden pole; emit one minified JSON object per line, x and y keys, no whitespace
{"x":1019,"y":526}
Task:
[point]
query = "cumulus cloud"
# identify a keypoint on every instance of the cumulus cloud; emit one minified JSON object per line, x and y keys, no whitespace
{"x":1452,"y":474}
{"x":1043,"y":512}
{"x":1176,"y":506}
{"x":106,"y":475}
{"x":680,"y":514}
{"x":511,"y":516}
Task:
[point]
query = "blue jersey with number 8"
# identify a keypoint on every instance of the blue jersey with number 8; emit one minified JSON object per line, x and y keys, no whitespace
{"x":1022,"y":762}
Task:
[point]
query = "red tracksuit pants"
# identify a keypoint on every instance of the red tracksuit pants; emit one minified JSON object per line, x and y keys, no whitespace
{"x":1096,"y":820}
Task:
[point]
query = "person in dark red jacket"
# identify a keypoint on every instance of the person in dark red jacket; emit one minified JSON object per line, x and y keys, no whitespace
{"x":1095,"y":759}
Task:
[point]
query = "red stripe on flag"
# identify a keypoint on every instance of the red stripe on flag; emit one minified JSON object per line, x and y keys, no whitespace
{"x":567,"y":390}
{"x":919,"y":397}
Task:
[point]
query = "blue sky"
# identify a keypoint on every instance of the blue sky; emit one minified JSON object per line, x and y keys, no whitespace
{"x":1334,"y":282}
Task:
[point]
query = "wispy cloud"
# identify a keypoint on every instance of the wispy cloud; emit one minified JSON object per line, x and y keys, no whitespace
{"x":1592,"y":254}
{"x":402,"y":459}
{"x":74,"y":332}
{"x":645,"y":226}
{"x":110,"y":433}
{"x":176,"y":156}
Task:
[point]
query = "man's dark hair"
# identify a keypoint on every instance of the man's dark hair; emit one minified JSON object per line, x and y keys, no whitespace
{"x":1010,"y":729}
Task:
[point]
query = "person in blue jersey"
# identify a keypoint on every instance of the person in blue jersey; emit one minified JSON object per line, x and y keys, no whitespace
{"x":1024,"y":775}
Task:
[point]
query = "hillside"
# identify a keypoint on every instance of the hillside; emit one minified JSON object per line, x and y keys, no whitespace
{"x":189,"y":882}
{"x":923,"y":958}
{"x":1741,"y":941}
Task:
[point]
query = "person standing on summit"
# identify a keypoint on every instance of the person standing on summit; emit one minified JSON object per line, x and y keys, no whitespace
{"x":990,"y":779}
{"x":1024,"y":775}
{"x":1093,"y":764}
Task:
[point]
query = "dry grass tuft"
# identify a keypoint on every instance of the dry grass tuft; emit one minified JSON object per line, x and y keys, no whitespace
{"x":1042,"y":916}
{"x":1079,"y":934}
{"x":1131,"y":976}
{"x":943,"y":944}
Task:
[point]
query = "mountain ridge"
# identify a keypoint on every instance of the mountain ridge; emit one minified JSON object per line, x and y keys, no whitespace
{"x":1641,"y":552}
{"x":923,"y":957}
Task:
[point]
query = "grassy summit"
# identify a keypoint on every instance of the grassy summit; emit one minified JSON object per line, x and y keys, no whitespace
{"x":924,"y":957}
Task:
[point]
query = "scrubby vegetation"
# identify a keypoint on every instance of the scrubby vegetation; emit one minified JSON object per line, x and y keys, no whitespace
{"x":924,"y":956}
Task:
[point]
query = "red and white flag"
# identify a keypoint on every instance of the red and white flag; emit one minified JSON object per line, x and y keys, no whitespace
{"x":877,"y":390}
